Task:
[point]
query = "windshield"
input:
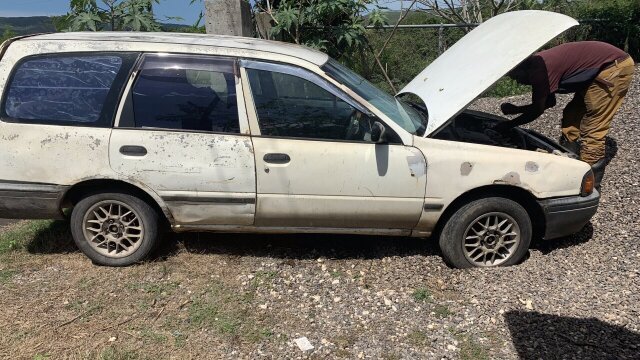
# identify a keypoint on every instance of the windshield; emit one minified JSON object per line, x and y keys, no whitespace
{"x":401,"y":112}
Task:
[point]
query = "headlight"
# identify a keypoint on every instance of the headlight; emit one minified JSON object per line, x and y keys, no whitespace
{"x":588,"y":182}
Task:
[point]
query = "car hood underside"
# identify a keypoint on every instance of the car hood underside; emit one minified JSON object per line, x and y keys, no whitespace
{"x":478,"y":60}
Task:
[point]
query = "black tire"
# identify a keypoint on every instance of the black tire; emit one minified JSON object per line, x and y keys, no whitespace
{"x":459,"y":226}
{"x":147,"y":218}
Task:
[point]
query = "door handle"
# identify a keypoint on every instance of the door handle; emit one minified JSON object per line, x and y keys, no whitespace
{"x":276,"y":158}
{"x":133,"y":150}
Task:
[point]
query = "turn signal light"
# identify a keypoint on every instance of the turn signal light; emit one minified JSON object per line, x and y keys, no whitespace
{"x":588,"y":182}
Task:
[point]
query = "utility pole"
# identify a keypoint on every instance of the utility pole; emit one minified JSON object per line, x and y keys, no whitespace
{"x":228,"y":17}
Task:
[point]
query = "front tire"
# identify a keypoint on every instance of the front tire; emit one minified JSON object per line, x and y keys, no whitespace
{"x":115,"y":229}
{"x":486,"y":233}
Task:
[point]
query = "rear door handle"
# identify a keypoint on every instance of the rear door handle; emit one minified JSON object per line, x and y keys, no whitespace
{"x":133,"y":150}
{"x":276,"y":158}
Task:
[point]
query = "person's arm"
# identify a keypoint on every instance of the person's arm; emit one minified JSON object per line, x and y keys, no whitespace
{"x":541,"y":98}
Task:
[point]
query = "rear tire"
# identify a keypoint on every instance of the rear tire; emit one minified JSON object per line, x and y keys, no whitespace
{"x":115,"y":229}
{"x":486,"y":233}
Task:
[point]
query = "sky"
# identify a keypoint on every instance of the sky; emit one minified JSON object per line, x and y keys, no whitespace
{"x":166,"y":8}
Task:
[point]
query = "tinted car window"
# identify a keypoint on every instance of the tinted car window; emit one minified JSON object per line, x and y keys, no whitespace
{"x":188,"y":93}
{"x":290,"y":106}
{"x":64,"y":89}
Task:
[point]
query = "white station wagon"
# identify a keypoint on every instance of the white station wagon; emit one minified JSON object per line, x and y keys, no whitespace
{"x":132,"y":131}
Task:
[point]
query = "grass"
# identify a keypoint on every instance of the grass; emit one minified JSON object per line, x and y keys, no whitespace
{"x":417,"y":337}
{"x":38,"y":236}
{"x":507,"y":87}
{"x":470,"y":349}
{"x":422,"y":295}
{"x":6,"y":275}
{"x":442,"y":311}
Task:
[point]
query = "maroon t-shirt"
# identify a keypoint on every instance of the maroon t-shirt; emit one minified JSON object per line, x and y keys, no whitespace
{"x":577,"y":63}
{"x":569,"y":67}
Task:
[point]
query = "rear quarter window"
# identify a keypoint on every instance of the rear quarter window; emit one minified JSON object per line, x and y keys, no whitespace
{"x":68,"y":89}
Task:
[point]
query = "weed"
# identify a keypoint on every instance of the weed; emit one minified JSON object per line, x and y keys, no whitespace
{"x":471,"y":349}
{"x":336,"y":274}
{"x":507,"y":87}
{"x":422,"y":295}
{"x":117,"y":354}
{"x":152,"y":336}
{"x":38,"y":236}
{"x":442,"y":311}
{"x":179,"y":339}
{"x":41,"y":357}
{"x":6,"y":275}
{"x":417,"y":337}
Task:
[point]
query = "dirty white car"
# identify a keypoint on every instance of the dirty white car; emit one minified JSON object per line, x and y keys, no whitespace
{"x":209,"y":133}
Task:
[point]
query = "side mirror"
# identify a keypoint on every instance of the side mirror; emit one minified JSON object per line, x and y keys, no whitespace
{"x":378,"y":133}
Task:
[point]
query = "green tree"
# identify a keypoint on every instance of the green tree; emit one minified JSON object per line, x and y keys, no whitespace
{"x":7,"y":34}
{"x":135,"y":15}
{"x":334,"y":26}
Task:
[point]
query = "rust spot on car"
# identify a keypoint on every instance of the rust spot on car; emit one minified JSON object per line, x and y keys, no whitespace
{"x":465,"y":168}
{"x":531,"y":166}
{"x":511,"y":178}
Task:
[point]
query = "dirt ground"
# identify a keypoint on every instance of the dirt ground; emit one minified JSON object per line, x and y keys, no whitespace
{"x":209,"y":296}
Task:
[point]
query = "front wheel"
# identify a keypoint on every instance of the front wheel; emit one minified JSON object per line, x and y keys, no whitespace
{"x":485,"y":233}
{"x":114,"y":229}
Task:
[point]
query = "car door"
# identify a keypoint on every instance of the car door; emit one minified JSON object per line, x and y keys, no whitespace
{"x":316,"y":164}
{"x":181,"y":134}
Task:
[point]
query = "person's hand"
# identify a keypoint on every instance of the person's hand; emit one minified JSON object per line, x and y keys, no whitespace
{"x":502,"y":127}
{"x":509,"y":109}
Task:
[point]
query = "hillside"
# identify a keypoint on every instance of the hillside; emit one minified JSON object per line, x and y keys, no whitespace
{"x":27,"y":25}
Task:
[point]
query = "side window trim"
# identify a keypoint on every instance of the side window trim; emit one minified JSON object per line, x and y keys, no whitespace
{"x":126,"y":102}
{"x":108,"y":113}
{"x":307,"y":75}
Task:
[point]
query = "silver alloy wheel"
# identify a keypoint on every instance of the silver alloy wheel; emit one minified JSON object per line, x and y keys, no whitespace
{"x":491,"y":239}
{"x":113,"y":229}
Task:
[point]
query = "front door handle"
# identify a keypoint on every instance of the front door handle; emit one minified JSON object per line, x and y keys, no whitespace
{"x":133,"y":150}
{"x":276,"y":158}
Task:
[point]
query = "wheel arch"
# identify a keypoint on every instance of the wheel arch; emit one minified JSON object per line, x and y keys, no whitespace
{"x":521,"y":196}
{"x":80,"y":189}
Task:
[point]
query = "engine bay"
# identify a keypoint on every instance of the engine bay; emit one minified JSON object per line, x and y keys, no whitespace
{"x":477,"y":128}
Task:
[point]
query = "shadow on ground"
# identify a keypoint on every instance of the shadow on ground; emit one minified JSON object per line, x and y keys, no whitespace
{"x":307,"y":246}
{"x":55,"y":238}
{"x":51,"y":238}
{"x":548,"y":246}
{"x":544,"y":336}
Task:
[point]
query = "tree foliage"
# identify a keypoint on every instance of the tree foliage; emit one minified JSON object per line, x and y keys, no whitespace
{"x":7,"y":34}
{"x":333,"y":26}
{"x":135,"y":15}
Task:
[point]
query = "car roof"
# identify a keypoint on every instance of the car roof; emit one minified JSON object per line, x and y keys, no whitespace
{"x":237,"y":42}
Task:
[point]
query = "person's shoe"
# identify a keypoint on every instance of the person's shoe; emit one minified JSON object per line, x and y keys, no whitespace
{"x":573,"y":146}
{"x":598,"y":171}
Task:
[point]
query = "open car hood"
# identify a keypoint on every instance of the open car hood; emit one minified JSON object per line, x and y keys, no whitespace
{"x":478,"y":60}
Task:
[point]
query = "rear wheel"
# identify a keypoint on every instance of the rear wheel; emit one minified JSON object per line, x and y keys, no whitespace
{"x":486,"y":233}
{"x":115,"y":229}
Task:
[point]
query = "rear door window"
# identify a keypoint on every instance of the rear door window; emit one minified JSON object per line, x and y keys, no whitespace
{"x":70,"y":89}
{"x":186,"y":93}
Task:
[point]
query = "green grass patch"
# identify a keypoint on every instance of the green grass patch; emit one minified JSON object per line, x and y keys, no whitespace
{"x":422,"y":295}
{"x":38,"y":236}
{"x":6,"y":275}
{"x":149,"y":335}
{"x":417,"y":338}
{"x":442,"y":311}
{"x":506,"y":87}
{"x":470,"y":349}
{"x":112,"y":353}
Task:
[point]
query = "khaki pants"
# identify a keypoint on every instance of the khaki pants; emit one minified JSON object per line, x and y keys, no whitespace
{"x":588,"y":116}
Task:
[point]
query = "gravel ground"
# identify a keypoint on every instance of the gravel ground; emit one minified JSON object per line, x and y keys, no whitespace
{"x":352,"y":297}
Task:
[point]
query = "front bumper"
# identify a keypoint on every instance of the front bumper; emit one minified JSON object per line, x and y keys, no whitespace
{"x":568,"y":215}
